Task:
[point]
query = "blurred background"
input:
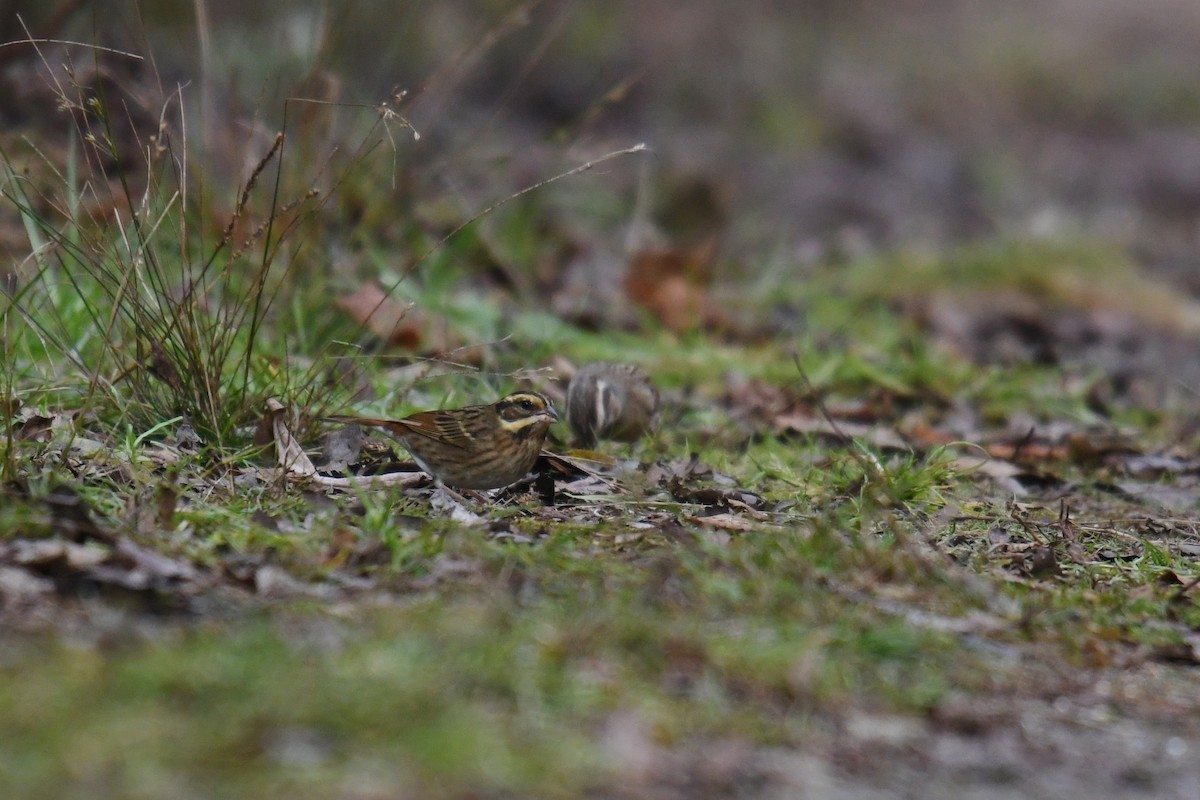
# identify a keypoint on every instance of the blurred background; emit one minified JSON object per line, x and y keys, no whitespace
{"x":799,"y":132}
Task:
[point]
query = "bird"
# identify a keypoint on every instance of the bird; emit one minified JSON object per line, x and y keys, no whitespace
{"x":474,"y":447}
{"x":611,"y":400}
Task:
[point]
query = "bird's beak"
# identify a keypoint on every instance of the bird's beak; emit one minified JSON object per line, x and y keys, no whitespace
{"x":550,"y":412}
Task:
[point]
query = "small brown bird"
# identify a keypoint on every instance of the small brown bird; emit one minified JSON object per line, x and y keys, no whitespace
{"x":607,"y":400}
{"x":475,"y":447}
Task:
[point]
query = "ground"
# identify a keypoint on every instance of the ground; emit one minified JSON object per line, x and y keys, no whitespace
{"x":917,"y":287}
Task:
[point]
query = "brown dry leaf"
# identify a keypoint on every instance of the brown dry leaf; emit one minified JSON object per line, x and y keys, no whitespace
{"x":150,"y":567}
{"x":1076,"y":554}
{"x":749,"y":511}
{"x":715,"y":496}
{"x":122,"y":564}
{"x":1095,"y":446}
{"x":1026,"y":451}
{"x":297,"y":465}
{"x":1076,"y":446}
{"x":724,"y":522}
{"x":1010,"y":477}
{"x":1184,"y":652}
{"x":71,"y":516}
{"x":874,"y":435}
{"x":34,"y":427}
{"x":673,"y":285}
{"x":290,"y":454}
{"x":1042,"y":561}
{"x":924,"y":436}
{"x":756,"y":399}
{"x":162,"y":367}
{"x":1169,"y":577}
{"x":392,"y":322}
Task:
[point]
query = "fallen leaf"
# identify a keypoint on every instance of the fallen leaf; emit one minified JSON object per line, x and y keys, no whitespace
{"x":882,"y":438}
{"x":1184,"y":652}
{"x":1013,"y":479}
{"x":1042,"y":561}
{"x":715,"y":496}
{"x":724,"y":522}
{"x":673,"y":285}
{"x":295,"y":463}
{"x":71,"y":516}
{"x":389,"y":320}
{"x":1159,"y":465}
{"x":17,"y":584}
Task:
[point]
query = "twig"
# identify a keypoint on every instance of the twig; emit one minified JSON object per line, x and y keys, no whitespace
{"x":641,"y":147}
{"x":637,"y":148}
{"x":96,"y":47}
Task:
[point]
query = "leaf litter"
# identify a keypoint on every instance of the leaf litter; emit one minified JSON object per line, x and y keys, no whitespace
{"x":1034,"y":499}
{"x":1038,"y":502}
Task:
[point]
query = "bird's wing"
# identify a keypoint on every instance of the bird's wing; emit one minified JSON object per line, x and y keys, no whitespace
{"x":444,"y":427}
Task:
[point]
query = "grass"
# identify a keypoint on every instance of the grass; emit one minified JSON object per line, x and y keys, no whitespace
{"x":503,"y":680}
{"x":471,"y":664}
{"x":363,"y":644}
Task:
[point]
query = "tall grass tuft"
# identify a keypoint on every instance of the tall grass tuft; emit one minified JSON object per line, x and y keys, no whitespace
{"x":140,"y":299}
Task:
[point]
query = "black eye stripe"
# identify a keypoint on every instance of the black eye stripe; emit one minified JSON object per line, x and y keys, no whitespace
{"x":523,"y":403}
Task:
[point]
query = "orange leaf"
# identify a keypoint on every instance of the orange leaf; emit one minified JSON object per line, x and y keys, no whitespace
{"x":382,"y":316}
{"x":672,"y":284}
